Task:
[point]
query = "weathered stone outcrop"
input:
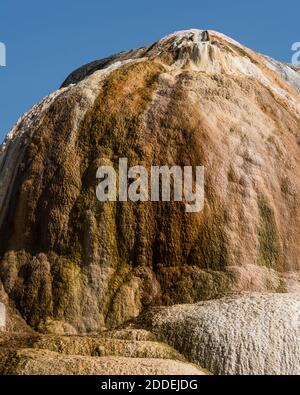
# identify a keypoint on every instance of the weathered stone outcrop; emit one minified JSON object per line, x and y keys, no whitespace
{"x":70,"y":264}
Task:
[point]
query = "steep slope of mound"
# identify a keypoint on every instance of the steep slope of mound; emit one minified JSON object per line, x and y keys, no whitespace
{"x":249,"y":334}
{"x":191,"y":98}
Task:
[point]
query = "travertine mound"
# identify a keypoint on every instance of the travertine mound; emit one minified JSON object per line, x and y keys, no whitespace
{"x":70,"y":264}
{"x":248,"y":334}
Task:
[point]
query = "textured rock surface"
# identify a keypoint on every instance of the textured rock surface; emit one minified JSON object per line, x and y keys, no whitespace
{"x":70,"y":264}
{"x":121,"y":352}
{"x":41,"y":362}
{"x":249,"y":334}
{"x":95,"y":346}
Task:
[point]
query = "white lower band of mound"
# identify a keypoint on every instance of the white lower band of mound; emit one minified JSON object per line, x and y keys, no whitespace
{"x":248,"y":334}
{"x":2,"y":316}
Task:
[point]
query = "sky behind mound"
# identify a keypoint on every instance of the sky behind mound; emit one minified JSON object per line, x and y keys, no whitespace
{"x":47,"y":41}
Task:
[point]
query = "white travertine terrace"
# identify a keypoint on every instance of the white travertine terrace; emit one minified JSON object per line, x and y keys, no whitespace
{"x":248,"y":334}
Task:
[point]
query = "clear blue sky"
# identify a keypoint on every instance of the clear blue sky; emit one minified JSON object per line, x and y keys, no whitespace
{"x":46,"y":40}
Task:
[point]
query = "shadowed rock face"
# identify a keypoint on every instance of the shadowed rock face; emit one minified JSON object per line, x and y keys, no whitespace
{"x":70,"y":263}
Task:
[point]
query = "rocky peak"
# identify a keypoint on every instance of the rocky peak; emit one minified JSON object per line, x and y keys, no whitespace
{"x":203,"y":50}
